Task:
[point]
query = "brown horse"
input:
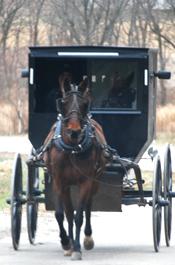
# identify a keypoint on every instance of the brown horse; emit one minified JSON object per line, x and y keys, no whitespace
{"x":76,"y":156}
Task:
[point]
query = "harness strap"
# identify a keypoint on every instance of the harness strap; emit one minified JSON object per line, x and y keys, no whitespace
{"x":82,"y":147}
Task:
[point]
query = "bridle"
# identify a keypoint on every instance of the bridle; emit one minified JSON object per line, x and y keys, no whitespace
{"x":77,"y":111}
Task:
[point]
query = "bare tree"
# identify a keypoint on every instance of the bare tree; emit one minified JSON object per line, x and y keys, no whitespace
{"x":163,"y":21}
{"x":33,"y":11}
{"x":158,"y":25}
{"x":89,"y":21}
{"x":8,"y":13}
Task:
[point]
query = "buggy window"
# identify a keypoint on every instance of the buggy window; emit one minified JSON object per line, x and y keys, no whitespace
{"x":113,"y":84}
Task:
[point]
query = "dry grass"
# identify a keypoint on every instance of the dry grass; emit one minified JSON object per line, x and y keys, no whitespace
{"x":7,"y":118}
{"x":166,"y":119}
{"x":9,"y":122}
{"x":6,"y":162}
{"x":165,"y":130}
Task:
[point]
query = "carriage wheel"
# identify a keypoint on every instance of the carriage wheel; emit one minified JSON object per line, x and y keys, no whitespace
{"x":157,"y":208}
{"x":16,"y":201}
{"x":32,"y":204}
{"x":167,"y":197}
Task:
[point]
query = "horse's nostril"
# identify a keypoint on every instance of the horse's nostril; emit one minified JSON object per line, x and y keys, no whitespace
{"x":75,"y":134}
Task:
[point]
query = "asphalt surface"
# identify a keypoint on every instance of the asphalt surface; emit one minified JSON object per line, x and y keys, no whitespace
{"x":120,"y":239}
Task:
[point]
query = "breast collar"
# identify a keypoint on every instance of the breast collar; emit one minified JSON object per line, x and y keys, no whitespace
{"x":82,"y":147}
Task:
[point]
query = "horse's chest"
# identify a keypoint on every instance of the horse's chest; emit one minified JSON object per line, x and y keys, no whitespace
{"x":75,"y":171}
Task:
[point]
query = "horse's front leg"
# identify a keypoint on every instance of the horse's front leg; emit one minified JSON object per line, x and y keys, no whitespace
{"x":69,"y":211}
{"x":76,"y":255}
{"x":85,"y":201}
{"x":59,"y":215}
{"x":83,"y":198}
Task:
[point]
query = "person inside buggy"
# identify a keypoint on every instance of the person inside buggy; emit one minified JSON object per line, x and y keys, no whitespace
{"x":114,"y":86}
{"x":121,"y":94}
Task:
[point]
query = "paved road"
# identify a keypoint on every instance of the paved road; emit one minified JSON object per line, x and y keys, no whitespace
{"x":120,"y":239}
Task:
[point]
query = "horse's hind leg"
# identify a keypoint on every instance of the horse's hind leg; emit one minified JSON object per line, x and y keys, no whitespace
{"x":59,"y":215}
{"x":88,"y":240}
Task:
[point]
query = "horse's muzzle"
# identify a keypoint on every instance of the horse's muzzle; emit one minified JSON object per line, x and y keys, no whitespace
{"x":75,"y":134}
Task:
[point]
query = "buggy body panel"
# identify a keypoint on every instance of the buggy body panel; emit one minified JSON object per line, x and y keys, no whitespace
{"x":128,"y":128}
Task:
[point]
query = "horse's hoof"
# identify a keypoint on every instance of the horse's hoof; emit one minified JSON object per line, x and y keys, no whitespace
{"x":76,"y":255}
{"x":88,"y":243}
{"x":68,"y":253}
{"x":67,"y":247}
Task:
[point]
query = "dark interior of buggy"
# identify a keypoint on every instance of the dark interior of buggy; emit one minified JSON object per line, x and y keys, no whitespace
{"x":113,"y":83}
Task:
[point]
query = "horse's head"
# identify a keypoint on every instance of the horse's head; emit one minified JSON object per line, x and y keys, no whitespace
{"x":74,"y":108}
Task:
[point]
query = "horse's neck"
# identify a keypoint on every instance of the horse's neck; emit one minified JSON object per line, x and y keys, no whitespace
{"x":98,"y":132}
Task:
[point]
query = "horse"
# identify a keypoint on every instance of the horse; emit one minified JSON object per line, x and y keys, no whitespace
{"x":77,"y":156}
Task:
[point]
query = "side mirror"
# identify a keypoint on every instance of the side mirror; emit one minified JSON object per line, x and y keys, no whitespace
{"x":24,"y":73}
{"x":163,"y":75}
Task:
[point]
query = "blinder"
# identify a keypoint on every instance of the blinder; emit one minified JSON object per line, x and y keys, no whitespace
{"x":59,"y":105}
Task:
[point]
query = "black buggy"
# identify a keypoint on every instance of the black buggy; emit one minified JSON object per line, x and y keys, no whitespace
{"x":123,"y":85}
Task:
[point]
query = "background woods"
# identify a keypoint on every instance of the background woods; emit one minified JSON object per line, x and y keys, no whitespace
{"x":23,"y":23}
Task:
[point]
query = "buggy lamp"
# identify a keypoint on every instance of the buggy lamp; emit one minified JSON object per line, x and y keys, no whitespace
{"x":25,"y":73}
{"x":162,"y":74}
{"x":88,"y":54}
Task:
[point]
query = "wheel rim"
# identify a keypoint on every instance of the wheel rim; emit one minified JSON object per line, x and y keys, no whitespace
{"x":32,"y":205}
{"x":32,"y":213}
{"x":167,"y":190}
{"x":16,"y":201}
{"x":157,"y":209}
{"x":16,"y":213}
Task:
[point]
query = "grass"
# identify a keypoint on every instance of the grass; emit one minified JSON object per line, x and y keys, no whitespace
{"x":163,"y":138}
{"x":6,"y":162}
{"x":148,"y":178}
{"x":166,"y":119}
{"x":6,"y":166}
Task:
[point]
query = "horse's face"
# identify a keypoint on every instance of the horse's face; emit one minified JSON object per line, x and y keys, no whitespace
{"x":74,"y":109}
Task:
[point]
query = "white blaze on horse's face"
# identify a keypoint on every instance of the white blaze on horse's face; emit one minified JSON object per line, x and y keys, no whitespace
{"x":74,"y":125}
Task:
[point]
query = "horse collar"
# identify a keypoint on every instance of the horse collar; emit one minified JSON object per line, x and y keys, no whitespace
{"x":82,"y":147}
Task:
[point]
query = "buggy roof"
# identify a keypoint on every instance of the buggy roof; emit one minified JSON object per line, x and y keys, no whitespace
{"x":89,"y":51}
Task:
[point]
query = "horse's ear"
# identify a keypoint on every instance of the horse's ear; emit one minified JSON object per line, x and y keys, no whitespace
{"x":84,"y":86}
{"x":64,"y":83}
